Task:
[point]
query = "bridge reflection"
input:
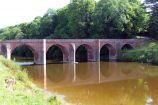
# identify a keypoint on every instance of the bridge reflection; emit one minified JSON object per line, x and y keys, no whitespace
{"x":64,"y":75}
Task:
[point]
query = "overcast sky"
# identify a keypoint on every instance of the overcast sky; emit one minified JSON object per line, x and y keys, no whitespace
{"x":18,"y":11}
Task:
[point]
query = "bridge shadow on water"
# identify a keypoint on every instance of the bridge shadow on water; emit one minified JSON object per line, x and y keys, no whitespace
{"x":59,"y":75}
{"x":97,"y":78}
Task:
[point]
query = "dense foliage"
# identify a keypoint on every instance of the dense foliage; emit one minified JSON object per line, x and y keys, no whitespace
{"x":145,"y":53}
{"x":152,"y":6}
{"x":120,"y":18}
{"x":85,"y":19}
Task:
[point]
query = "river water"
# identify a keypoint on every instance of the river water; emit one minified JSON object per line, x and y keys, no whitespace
{"x":99,"y":83}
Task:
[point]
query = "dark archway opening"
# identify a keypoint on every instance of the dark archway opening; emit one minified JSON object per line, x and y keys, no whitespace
{"x":54,"y":55}
{"x":104,"y":53}
{"x":3,"y":50}
{"x":81,"y":54}
{"x":22,"y":53}
{"x":127,"y":47}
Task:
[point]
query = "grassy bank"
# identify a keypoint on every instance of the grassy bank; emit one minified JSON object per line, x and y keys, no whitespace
{"x":17,"y":89}
{"x":147,"y":53}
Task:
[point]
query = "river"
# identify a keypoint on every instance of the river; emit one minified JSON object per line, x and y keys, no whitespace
{"x":99,"y":83}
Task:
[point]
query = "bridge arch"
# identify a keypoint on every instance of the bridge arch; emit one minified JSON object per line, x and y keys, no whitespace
{"x":69,"y":47}
{"x":84,"y":52}
{"x":24,"y":50}
{"x":3,"y":50}
{"x":107,"y":51}
{"x":127,"y":46}
{"x":61,"y":51}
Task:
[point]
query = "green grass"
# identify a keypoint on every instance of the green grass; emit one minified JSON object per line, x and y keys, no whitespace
{"x":147,"y":53}
{"x":24,"y":92}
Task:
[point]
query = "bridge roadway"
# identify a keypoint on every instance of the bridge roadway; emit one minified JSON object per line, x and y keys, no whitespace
{"x":39,"y":47}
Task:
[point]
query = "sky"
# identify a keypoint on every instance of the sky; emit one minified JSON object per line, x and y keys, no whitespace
{"x":14,"y":12}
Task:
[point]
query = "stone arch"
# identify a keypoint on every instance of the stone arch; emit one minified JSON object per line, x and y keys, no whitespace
{"x":3,"y":50}
{"x":127,"y":47}
{"x":110,"y":51}
{"x":62,"y":49}
{"x":89,"y":52}
{"x":34,"y":54}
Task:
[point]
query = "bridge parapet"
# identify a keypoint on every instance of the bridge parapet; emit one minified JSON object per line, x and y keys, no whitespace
{"x":69,"y":46}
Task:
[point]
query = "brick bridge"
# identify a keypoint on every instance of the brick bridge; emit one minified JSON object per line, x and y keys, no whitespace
{"x":39,"y":47}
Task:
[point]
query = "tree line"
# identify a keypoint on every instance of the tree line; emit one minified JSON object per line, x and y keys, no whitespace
{"x":91,"y":19}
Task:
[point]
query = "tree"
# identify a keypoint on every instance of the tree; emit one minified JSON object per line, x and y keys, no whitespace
{"x":80,"y":18}
{"x":31,"y":30}
{"x":61,"y":30}
{"x":152,"y":6}
{"x":105,"y":17}
{"x":9,"y":33}
{"x":119,"y":18}
{"x":48,"y":23}
{"x":87,"y":19}
{"x":137,"y":17}
{"x":75,"y":20}
{"x":34,"y":28}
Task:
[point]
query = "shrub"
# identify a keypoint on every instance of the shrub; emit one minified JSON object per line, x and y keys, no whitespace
{"x":147,"y":53}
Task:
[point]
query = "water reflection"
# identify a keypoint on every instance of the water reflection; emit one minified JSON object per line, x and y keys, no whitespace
{"x":83,"y":73}
{"x":56,"y":74}
{"x":45,"y":77}
{"x":105,"y":70}
{"x":99,"y":83}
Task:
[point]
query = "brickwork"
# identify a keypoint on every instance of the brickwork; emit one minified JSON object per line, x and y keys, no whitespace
{"x":39,"y":47}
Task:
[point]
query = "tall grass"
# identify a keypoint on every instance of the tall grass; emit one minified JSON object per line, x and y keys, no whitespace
{"x":147,"y":53}
{"x":24,"y":92}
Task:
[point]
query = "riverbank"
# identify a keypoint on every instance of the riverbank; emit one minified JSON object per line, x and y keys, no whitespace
{"x":146,"y":53}
{"x":17,"y":89}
